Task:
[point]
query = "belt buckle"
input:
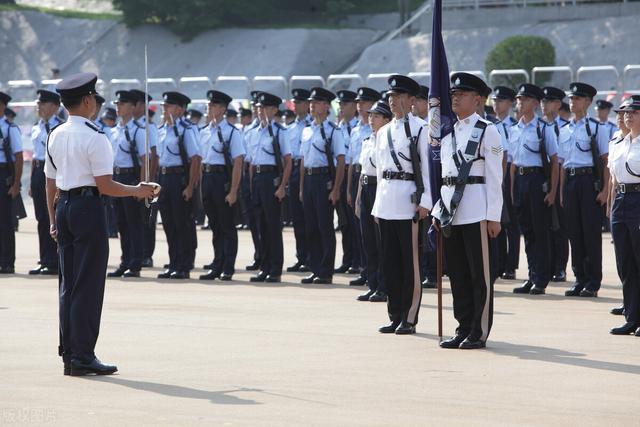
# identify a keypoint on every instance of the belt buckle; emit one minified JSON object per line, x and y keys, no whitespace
{"x":386,"y":175}
{"x":572,"y":171}
{"x":117,"y":170}
{"x":163,"y":170}
{"x":365,"y":179}
{"x":257,"y":168}
{"x":622,"y":188}
{"x":309,"y":171}
{"x":520,"y":170}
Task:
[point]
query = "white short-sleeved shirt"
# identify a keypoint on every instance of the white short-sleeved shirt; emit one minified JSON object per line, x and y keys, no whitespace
{"x":624,"y":161}
{"x":78,"y":152}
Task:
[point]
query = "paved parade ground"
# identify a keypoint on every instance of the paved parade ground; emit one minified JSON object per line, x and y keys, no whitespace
{"x":241,"y":354}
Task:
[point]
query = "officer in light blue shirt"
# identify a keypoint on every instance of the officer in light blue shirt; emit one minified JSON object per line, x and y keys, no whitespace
{"x":585,"y":189}
{"x":603,"y":109}
{"x":47,"y":105}
{"x":179,"y":173}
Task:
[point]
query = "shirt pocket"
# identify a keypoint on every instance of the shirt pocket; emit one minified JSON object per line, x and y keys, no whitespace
{"x":531,"y":142}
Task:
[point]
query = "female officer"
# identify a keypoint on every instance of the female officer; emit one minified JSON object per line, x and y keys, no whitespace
{"x":624,"y":163}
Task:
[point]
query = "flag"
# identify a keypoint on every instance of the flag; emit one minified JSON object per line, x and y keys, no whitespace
{"x":441,"y":117}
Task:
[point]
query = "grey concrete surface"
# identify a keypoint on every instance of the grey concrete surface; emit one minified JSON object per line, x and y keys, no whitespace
{"x":241,"y":354}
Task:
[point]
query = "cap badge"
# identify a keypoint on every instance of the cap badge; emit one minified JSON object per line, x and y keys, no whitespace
{"x":457,"y":82}
{"x":393,"y":82}
{"x":574,"y":89}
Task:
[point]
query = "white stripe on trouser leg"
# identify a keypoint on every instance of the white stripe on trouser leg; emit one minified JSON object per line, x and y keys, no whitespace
{"x":484,"y":241}
{"x":417,"y":286}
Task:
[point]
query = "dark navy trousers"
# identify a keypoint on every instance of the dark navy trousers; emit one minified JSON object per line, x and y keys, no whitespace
{"x":359,"y":257}
{"x":48,"y":248}
{"x":318,"y":214}
{"x":372,"y":243}
{"x":84,"y":250}
{"x":268,"y":210}
{"x":509,"y":237}
{"x":250,"y":217}
{"x":296,"y":212}
{"x":7,"y":227}
{"x":177,"y":221}
{"x":130,"y":212}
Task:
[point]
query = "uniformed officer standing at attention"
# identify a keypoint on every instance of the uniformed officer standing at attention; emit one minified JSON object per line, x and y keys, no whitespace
{"x":585,"y":189}
{"x":99,"y":103}
{"x":300,"y":99}
{"x":365,"y":97}
{"x":534,"y":182}
{"x":603,"y":109}
{"x":129,"y":153}
{"x":222,"y":149}
{"x":11,"y":161}
{"x":47,"y":105}
{"x":78,"y":167}
{"x":270,"y":158}
{"x":321,"y":174}
{"x":401,"y":154}
{"x":179,"y":169}
{"x":351,"y":249}
{"x":624,"y":162}
{"x":469,"y":211}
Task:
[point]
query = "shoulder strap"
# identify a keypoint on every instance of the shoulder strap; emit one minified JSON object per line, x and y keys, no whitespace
{"x":392,"y":149}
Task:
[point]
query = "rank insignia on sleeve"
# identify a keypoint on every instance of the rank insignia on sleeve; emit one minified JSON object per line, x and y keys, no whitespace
{"x":496,"y":150}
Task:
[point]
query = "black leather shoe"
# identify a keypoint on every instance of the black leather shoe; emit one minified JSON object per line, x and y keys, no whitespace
{"x":524,"y":289}
{"x":573,"y":291}
{"x":131,"y":273}
{"x":79,"y":368}
{"x":341,"y":269}
{"x":322,"y":280}
{"x":637,"y":332}
{"x":453,"y":342}
{"x":166,"y":274}
{"x":365,"y":297}
{"x":67,"y":368}
{"x":294,"y":268}
{"x":36,"y":270}
{"x":389,"y":329}
{"x":211,"y":275}
{"x":147,"y":262}
{"x":261,"y":277}
{"x":537,"y":290}
{"x":360,"y":281}
{"x":509,"y":275}
{"x":429,"y":284}
{"x":179,"y":275}
{"x":617,"y":311}
{"x":303,"y":269}
{"x":49,"y":271}
{"x":353,"y":270}
{"x":118,"y":272}
{"x":226,"y":277}
{"x":308,"y":279}
{"x":378,"y":297}
{"x":209,"y":266}
{"x":7,"y":270}
{"x":468,"y":344}
{"x":252,"y":267}
{"x":560,"y":276}
{"x":272,"y":279}
{"x":626,"y":329}
{"x":586,"y":293}
{"x":406,"y":329}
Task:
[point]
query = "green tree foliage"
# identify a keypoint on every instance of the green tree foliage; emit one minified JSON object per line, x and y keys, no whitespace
{"x":520,"y":52}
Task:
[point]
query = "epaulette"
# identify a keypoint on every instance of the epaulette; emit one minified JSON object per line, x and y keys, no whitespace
{"x":55,"y":127}
{"x":591,"y":119}
{"x":93,"y":127}
{"x":280,"y":125}
{"x":491,"y":119}
{"x":333,"y":125}
{"x":135,"y":122}
{"x":185,"y":123}
{"x":487,"y":120}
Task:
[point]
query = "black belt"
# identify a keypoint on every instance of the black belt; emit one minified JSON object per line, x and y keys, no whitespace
{"x":524,"y":170}
{"x":454,"y":180}
{"x":166,"y":170}
{"x":123,"y":171}
{"x":213,"y":168}
{"x":627,"y":188}
{"x":400,"y":176}
{"x":5,"y":165}
{"x":357,"y":168}
{"x":81,"y":192}
{"x":579,"y":171}
{"x":263,"y":168}
{"x":368,"y":179}
{"x":35,"y":163}
{"x":316,"y":171}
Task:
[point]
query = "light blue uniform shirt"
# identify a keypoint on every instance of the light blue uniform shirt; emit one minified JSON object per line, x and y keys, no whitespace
{"x":313,"y":146}
{"x":295,"y":133}
{"x":122,"y":145}
{"x":39,"y":136}
{"x":212,"y":148}
{"x":346,"y":128}
{"x":260,"y":144}
{"x":574,"y":143}
{"x":168,"y":149}
{"x":359,"y":133}
{"x":525,"y":142}
{"x":503,"y":127}
{"x":153,"y":131}
{"x":609,"y":128}
{"x":11,"y":131}
{"x":104,"y":128}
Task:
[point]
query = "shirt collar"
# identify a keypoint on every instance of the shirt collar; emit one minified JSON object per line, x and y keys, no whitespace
{"x":533,"y":122}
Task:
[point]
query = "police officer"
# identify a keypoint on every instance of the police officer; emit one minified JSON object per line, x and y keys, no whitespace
{"x":78,"y":167}
{"x":179,"y":172}
{"x":321,"y":174}
{"x":379,"y":115}
{"x":364,"y":101}
{"x":477,"y":216}
{"x":550,"y":106}
{"x":270,"y":158}
{"x":222,"y":149}
{"x":398,"y":206}
{"x":351,"y":248}
{"x":584,"y":189}
{"x":11,"y":161}
{"x":603,"y":109}
{"x":129,"y":154}
{"x":624,"y":162}
{"x":534,"y":180}
{"x":47,"y":105}
{"x":107,"y":120}
{"x":300,"y":99}
{"x":99,"y":103}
